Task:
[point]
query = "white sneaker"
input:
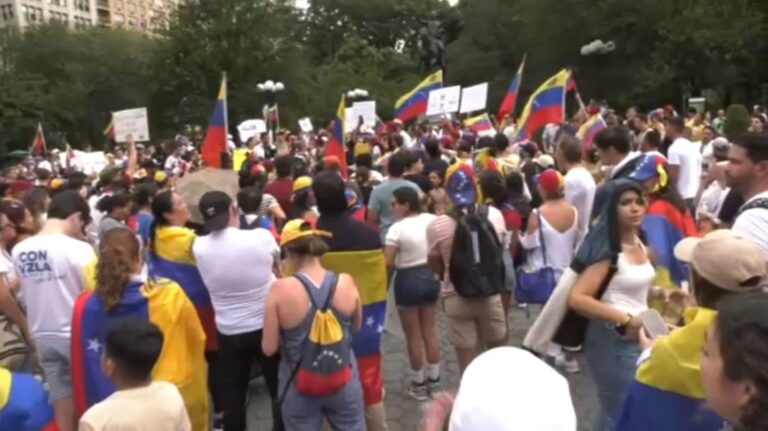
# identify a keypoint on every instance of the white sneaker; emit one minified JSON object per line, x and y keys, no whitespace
{"x":417,"y":391}
{"x":570,"y":367}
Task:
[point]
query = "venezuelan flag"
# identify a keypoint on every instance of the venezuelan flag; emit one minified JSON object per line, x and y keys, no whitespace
{"x":664,"y":226}
{"x":109,"y":132}
{"x":38,"y":144}
{"x":215,"y":143}
{"x":667,"y":393}
{"x":508,"y":104}
{"x":482,"y":160}
{"x":589,"y":130}
{"x":273,"y":114}
{"x":182,"y":361}
{"x":414,"y":103}
{"x":172,"y":258}
{"x":546,"y":105}
{"x":480,"y":124}
{"x":24,"y":404}
{"x":336,"y":145}
{"x":356,"y":249}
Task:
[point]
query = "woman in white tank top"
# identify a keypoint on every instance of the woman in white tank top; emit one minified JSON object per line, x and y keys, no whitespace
{"x":610,"y":345}
{"x":555,"y":223}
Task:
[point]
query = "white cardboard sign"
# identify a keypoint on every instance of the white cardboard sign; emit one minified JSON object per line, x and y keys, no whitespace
{"x":251,"y":128}
{"x":474,"y":98}
{"x":306,"y":125}
{"x":133,"y":122}
{"x":367,"y":110}
{"x":444,"y":100}
{"x":350,"y":121}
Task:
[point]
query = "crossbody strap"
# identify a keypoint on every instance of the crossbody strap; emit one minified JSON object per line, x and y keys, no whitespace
{"x":541,"y":237}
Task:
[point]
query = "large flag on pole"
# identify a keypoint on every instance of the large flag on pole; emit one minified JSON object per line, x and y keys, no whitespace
{"x":546,"y":105}
{"x":38,"y":145}
{"x":414,"y":103}
{"x":336,"y":144}
{"x":508,"y":104}
{"x":215,"y":143}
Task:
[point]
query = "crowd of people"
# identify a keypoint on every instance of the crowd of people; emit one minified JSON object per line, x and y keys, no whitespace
{"x":121,"y":312}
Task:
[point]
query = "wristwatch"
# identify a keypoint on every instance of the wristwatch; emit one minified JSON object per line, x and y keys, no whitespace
{"x":621,"y":328}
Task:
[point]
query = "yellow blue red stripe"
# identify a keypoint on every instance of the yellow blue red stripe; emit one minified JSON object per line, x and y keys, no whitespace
{"x":336,"y":145}
{"x":546,"y":105}
{"x":215,"y":143}
{"x":414,"y":103}
{"x":182,"y":361}
{"x":510,"y":99}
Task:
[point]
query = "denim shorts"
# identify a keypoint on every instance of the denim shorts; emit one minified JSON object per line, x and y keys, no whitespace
{"x":55,"y":360}
{"x":415,"y":287}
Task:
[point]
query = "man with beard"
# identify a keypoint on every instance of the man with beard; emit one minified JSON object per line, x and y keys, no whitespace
{"x":747,"y":173}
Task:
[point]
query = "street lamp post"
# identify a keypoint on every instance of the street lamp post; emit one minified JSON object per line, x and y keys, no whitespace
{"x":272,"y":88}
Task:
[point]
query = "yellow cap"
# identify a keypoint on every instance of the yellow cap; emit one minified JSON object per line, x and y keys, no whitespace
{"x":160,"y":176}
{"x":56,"y":183}
{"x":299,"y":228}
{"x":302,"y":183}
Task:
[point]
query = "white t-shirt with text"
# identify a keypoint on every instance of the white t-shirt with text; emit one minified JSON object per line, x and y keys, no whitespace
{"x":236,"y":266}
{"x":50,"y":269}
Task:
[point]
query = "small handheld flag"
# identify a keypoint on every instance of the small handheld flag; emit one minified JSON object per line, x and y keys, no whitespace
{"x":589,"y":130}
{"x":510,"y":99}
{"x":109,"y":132}
{"x":215,"y":143}
{"x":480,"y":124}
{"x":336,"y":144}
{"x":38,"y":145}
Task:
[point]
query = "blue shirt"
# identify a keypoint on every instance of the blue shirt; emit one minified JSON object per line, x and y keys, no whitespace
{"x":144,"y":224}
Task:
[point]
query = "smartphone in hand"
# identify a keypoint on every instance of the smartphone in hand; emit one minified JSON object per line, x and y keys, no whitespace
{"x":653,"y":324}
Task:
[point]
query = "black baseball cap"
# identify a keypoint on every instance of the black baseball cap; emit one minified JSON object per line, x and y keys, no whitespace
{"x":214,"y":206}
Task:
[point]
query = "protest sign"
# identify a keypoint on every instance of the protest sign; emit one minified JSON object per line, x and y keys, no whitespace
{"x":350,"y":121}
{"x":474,"y":98}
{"x":367,"y":110}
{"x":306,"y":125}
{"x":132,"y":122}
{"x":251,"y":128}
{"x":444,"y":100}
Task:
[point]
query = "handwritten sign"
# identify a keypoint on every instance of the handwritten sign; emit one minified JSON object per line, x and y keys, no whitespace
{"x":367,"y":110}
{"x":251,"y":128}
{"x":306,"y":125}
{"x":134,"y":122}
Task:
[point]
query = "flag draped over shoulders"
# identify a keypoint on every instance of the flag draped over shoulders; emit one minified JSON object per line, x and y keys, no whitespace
{"x":24,"y":404}
{"x":356,"y":249}
{"x":667,"y":393}
{"x":171,"y":257}
{"x":182,"y":361}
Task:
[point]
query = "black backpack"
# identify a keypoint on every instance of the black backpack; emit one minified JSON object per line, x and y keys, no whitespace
{"x":244,"y":225}
{"x":476,"y":266}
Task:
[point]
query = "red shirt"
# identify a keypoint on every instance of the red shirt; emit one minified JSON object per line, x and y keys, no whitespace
{"x":282,"y":190}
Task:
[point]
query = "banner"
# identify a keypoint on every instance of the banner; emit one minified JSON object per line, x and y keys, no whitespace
{"x":251,"y":128}
{"x":474,"y":98}
{"x":444,"y":100}
{"x":133,"y":122}
{"x":367,"y":110}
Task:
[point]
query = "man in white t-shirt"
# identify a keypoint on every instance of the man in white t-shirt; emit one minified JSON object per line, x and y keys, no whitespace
{"x":684,"y":158}
{"x":237,"y":267}
{"x":579,"y":184}
{"x":50,"y":269}
{"x":747,"y":173}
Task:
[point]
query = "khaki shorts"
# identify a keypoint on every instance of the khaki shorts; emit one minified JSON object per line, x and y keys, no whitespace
{"x":472,"y":320}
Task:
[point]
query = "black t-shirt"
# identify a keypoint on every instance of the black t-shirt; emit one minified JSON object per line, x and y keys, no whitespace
{"x":435,"y":165}
{"x":420,"y":180}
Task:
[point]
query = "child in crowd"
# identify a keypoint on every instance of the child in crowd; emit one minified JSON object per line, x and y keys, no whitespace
{"x":139,"y":404}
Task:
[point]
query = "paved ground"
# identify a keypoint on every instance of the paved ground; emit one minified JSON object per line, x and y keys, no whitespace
{"x":404,"y":413}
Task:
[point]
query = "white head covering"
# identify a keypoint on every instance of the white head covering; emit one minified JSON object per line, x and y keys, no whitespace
{"x":509,"y":389}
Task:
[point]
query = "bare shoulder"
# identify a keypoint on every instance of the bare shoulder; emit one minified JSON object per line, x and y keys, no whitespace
{"x":347,"y":283}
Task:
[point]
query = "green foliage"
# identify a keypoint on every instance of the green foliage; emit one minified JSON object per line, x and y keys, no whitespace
{"x":71,"y":80}
{"x":736,"y":121}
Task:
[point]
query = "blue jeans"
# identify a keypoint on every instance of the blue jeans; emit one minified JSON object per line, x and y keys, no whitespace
{"x":612,"y":359}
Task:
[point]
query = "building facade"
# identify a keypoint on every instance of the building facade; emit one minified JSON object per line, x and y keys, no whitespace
{"x":141,"y":15}
{"x":73,"y":13}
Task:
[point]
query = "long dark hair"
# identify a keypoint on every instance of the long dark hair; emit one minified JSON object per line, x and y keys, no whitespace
{"x":161,"y":205}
